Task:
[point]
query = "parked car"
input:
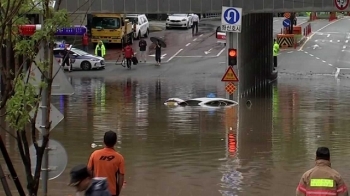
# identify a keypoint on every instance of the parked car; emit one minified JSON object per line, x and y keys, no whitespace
{"x":80,"y":59}
{"x":220,"y":36}
{"x":140,"y":25}
{"x":179,"y":20}
{"x":203,"y":102}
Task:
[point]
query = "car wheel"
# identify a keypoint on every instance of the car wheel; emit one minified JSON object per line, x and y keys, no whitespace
{"x":147,"y":33}
{"x":85,"y":65}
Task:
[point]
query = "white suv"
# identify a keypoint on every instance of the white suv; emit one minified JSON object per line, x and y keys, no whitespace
{"x":140,"y":25}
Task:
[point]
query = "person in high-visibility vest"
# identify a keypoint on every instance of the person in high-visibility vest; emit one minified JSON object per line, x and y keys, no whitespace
{"x":276,"y":50}
{"x":100,"y":49}
{"x":322,"y":179}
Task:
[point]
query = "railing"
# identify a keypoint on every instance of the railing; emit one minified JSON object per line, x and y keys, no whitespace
{"x":211,"y":15}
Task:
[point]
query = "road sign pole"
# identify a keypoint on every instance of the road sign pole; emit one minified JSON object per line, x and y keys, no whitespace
{"x":44,"y":108}
{"x":232,"y":43}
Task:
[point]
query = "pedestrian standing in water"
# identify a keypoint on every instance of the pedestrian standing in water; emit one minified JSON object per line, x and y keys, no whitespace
{"x":158,"y":53}
{"x":108,"y":163}
{"x":143,"y":47}
{"x":322,"y":179}
{"x":85,"y":41}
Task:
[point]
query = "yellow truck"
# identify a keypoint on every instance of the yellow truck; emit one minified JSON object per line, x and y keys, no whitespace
{"x":111,"y":29}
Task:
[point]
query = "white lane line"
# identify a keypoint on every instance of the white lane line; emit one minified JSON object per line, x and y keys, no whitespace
{"x":171,"y":58}
{"x":328,"y":35}
{"x":200,"y":35}
{"x":324,"y":61}
{"x":338,"y":40}
{"x":346,"y":41}
{"x":311,"y":55}
{"x":317,"y":58}
{"x":330,"y":40}
{"x":221,"y":52}
{"x":195,"y":56}
{"x":330,"y":65}
{"x":188,"y":44}
{"x":290,"y":52}
{"x":195,"y":40}
{"x":344,"y":47}
{"x":302,"y":46}
{"x":337,"y":72}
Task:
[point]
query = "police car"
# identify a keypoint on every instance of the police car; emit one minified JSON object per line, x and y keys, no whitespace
{"x":80,"y":59}
{"x":204,"y":102}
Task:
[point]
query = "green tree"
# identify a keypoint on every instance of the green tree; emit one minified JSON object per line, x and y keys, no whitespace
{"x":19,"y":97}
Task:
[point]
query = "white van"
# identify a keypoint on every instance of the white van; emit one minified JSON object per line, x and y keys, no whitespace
{"x":140,"y":25}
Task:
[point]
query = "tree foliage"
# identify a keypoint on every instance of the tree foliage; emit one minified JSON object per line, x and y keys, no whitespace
{"x":20,"y":99}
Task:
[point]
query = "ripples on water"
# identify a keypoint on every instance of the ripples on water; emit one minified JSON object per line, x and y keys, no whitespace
{"x":184,"y":151}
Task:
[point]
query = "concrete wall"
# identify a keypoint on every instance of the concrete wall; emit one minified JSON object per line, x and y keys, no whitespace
{"x":194,"y":6}
{"x":255,"y":51}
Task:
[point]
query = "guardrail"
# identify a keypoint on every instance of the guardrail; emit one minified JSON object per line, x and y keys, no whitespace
{"x":211,"y":15}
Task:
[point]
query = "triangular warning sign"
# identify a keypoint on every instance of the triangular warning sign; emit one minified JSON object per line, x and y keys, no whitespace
{"x":230,"y":76}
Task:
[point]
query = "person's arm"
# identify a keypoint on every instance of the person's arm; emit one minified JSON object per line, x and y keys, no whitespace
{"x":301,"y":188}
{"x":120,"y":176}
{"x":342,"y":189}
{"x":90,"y":164}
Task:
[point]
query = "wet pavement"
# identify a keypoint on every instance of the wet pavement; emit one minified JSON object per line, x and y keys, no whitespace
{"x":185,"y":151}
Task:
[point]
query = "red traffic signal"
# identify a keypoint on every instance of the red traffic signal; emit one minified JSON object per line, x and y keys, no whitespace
{"x":232,"y":57}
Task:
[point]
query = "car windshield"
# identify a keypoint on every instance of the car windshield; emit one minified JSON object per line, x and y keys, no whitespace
{"x":105,"y":23}
{"x":134,"y":20}
{"x":184,"y":15}
{"x":79,"y":52}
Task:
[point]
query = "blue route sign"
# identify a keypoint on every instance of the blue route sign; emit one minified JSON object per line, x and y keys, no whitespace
{"x":286,"y":22}
{"x":232,"y":16}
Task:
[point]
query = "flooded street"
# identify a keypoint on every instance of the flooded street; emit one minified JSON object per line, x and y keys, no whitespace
{"x":184,"y":151}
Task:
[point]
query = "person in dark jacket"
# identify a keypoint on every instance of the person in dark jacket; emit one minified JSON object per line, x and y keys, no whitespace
{"x":158,"y":53}
{"x":143,"y":47}
{"x":82,"y":180}
{"x":66,"y":61}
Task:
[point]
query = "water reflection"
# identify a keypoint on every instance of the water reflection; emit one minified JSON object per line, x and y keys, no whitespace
{"x":198,"y":151}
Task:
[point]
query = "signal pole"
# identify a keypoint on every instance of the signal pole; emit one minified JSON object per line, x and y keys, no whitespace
{"x":232,"y":40}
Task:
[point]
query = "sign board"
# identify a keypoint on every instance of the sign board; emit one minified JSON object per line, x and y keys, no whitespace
{"x":341,"y":4}
{"x":230,"y":88}
{"x":286,"y":23}
{"x":55,"y":117}
{"x":287,"y":15}
{"x":58,"y":158}
{"x":60,"y":84}
{"x":230,"y":76}
{"x":231,"y":19}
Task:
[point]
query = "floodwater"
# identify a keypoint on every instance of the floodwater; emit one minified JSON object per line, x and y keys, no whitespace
{"x":185,"y":151}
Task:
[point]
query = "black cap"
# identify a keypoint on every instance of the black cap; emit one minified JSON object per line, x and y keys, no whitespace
{"x":77,"y":174}
{"x":110,"y":138}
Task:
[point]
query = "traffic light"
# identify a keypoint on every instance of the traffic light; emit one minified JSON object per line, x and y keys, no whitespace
{"x":232,"y":57}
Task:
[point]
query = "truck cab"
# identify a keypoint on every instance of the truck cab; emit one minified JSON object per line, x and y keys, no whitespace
{"x":111,"y":29}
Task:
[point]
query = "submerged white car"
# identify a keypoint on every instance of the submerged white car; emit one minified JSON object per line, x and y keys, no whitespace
{"x":179,"y":20}
{"x":204,"y":101}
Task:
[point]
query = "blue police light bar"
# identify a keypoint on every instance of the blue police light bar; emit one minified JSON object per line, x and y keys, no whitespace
{"x":71,"y":31}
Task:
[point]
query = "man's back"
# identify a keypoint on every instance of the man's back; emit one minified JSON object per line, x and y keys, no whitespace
{"x":321,"y":180}
{"x":107,"y":163}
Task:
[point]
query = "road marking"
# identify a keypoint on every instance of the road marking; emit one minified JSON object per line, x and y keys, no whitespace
{"x":171,"y":58}
{"x":330,"y":65}
{"x":328,"y":35}
{"x":337,"y":72}
{"x":324,"y":61}
{"x":188,"y":44}
{"x":222,"y":62}
{"x":317,"y":58}
{"x":309,"y":38}
{"x":195,"y":56}
{"x":290,"y":52}
{"x":311,"y":55}
{"x":207,"y":52}
{"x":221,"y":52}
{"x":330,"y":40}
{"x":346,"y":41}
{"x":344,"y":47}
{"x":200,"y":35}
{"x":338,"y":40}
{"x":195,"y":40}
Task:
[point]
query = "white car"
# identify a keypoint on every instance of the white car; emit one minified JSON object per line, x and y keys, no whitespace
{"x":179,"y":20}
{"x":80,"y":59}
{"x":204,"y":102}
{"x":220,"y":36}
{"x":140,"y":25}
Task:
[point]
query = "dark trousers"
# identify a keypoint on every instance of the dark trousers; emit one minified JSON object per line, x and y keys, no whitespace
{"x":195,"y":25}
{"x":274,"y":61}
{"x":128,"y":62}
{"x":158,"y":58}
{"x":66,"y":63}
